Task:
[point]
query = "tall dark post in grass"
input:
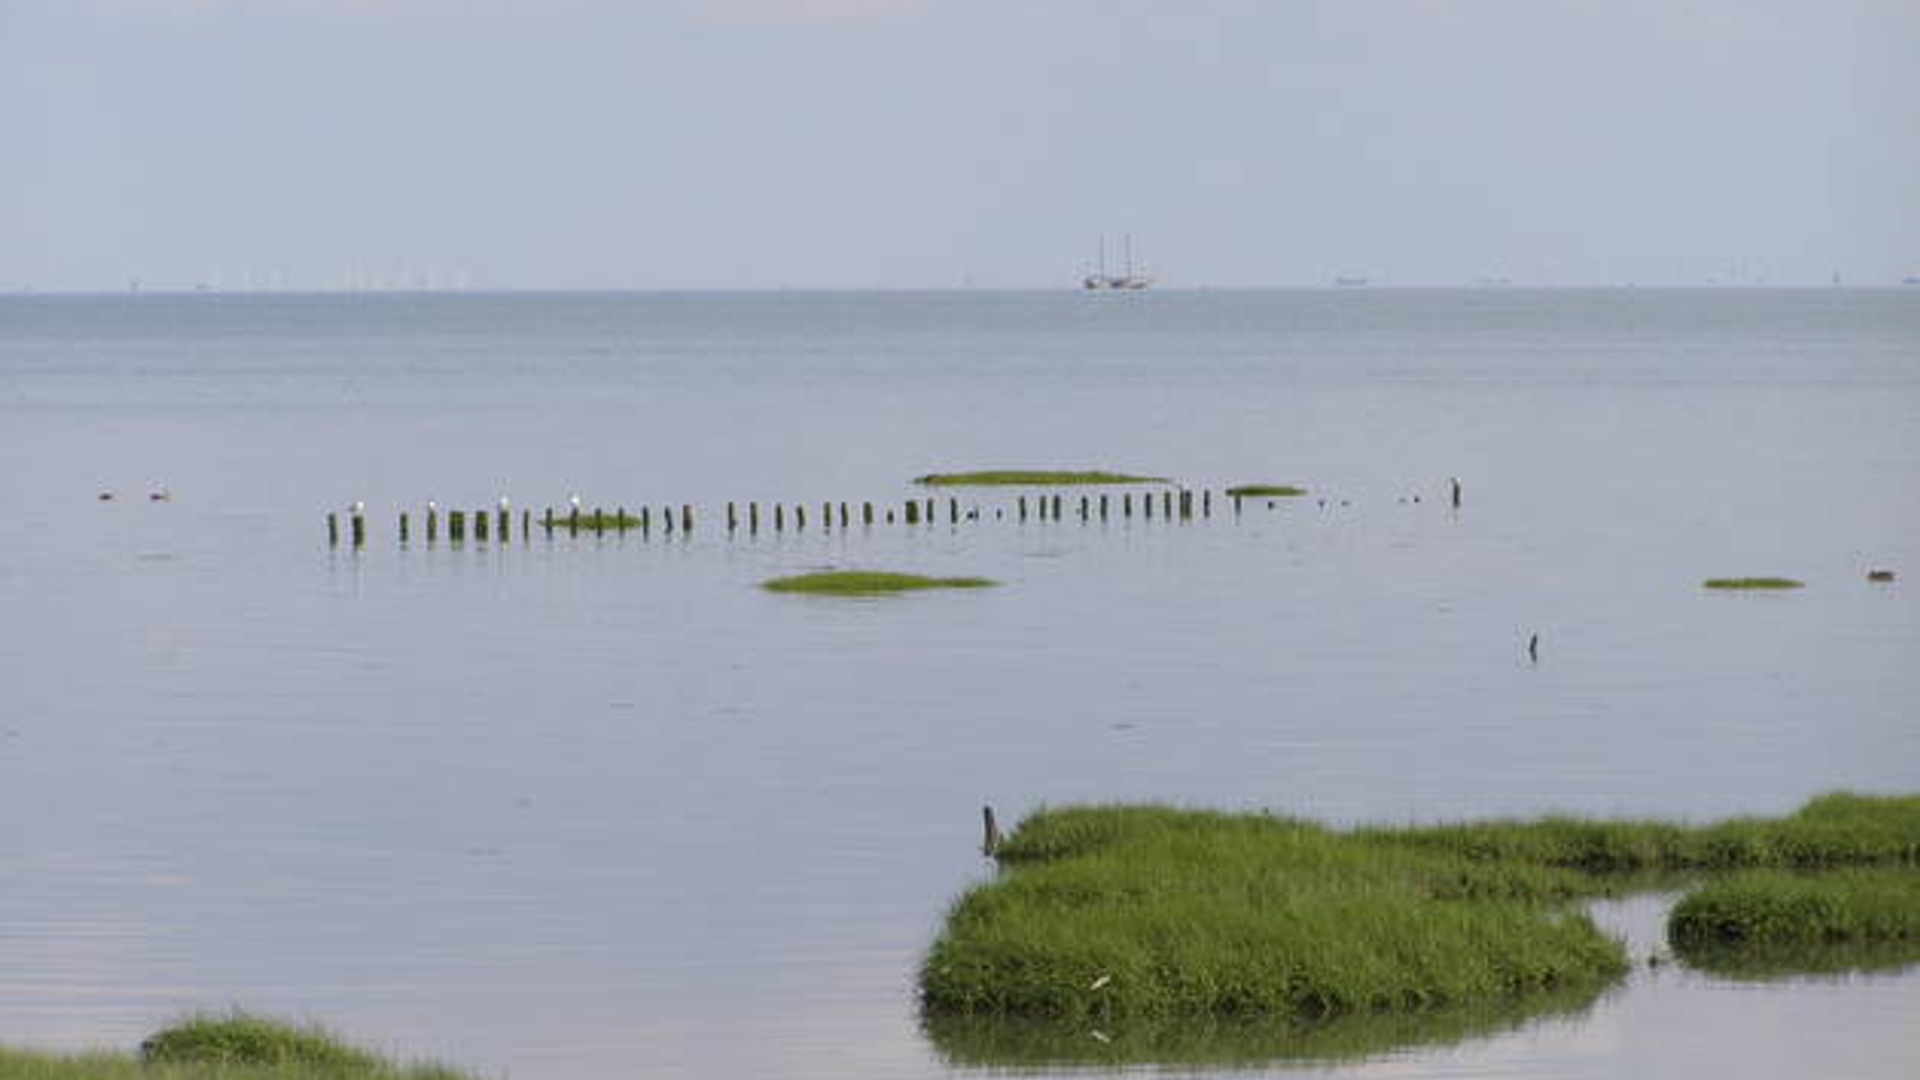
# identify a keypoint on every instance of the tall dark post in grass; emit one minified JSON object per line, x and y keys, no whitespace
{"x":1056,"y":508}
{"x":526,"y":524}
{"x":1023,"y":508}
{"x":1533,"y":649}
{"x":913,"y":511}
{"x":456,"y":526}
{"x":866,"y":513}
{"x":433,"y":523}
{"x":506,"y":525}
{"x":1146,"y":506}
{"x":1236,"y":506}
{"x":646,"y":521}
{"x":1206,"y":503}
{"x":1186,"y":505}
{"x":1166,"y":505}
{"x":1455,"y":481}
{"x":546,"y":522}
{"x":990,"y":832}
{"x":733,"y":518}
{"x":666,"y":520}
{"x":1086,"y":508}
{"x":1103,"y":508}
{"x":686,"y":517}
{"x":826,"y":516}
{"x":779,"y":517}
{"x":480,"y":526}
{"x":845,"y":518}
{"x":403,"y":526}
{"x":359,"y":524}
{"x":333,"y":530}
{"x":573,"y":520}
{"x":953,"y":511}
{"x":929,"y":511}
{"x":753,"y":519}
{"x":799,"y":518}
{"x":1126,"y":504}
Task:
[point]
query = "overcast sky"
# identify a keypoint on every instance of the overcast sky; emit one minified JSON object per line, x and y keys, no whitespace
{"x":855,"y":143}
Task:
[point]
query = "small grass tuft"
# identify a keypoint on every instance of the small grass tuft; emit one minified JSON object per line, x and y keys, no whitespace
{"x":867,"y":583}
{"x":1265,"y":491}
{"x":598,"y":522}
{"x":1752,"y":583}
{"x":240,"y":1038}
{"x":1031,"y":478}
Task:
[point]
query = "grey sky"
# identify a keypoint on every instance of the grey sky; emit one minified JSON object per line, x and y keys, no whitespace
{"x":714,"y":143}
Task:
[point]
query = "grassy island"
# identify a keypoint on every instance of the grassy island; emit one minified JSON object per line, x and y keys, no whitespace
{"x":867,"y":583}
{"x":1031,"y":478}
{"x":1752,"y":583}
{"x":235,"y":1046}
{"x":598,"y":521}
{"x":1265,"y":491}
{"x":1149,"y":913}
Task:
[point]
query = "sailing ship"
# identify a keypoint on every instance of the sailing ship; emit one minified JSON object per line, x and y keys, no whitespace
{"x":1101,"y":281}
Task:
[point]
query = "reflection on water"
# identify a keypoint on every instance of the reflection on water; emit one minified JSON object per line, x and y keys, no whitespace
{"x":1230,"y":1044}
{"x":1831,"y":962}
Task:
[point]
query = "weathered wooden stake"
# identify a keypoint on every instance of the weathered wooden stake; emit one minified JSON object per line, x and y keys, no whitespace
{"x":480,"y":526}
{"x":333,"y":530}
{"x":753,"y":518}
{"x":686,"y":517}
{"x":646,"y":521}
{"x":359,"y":530}
{"x":1146,"y":506}
{"x":1023,"y":508}
{"x":1456,"y":492}
{"x":666,"y":520}
{"x":826,"y":516}
{"x":1166,"y":505}
{"x":866,"y":513}
{"x":526,"y":524}
{"x":913,"y":512}
{"x":456,"y":525}
{"x":733,"y":518}
{"x":1186,"y":504}
{"x":546,"y":522}
{"x":433,"y":524}
{"x":1533,"y":648}
{"x":799,"y":518}
{"x":573,"y":521}
{"x":1206,"y":504}
{"x":1103,"y":508}
{"x":1126,"y":504}
{"x":1056,"y":508}
{"x":844,"y":516}
{"x":953,"y":511}
{"x":506,"y":526}
{"x":990,"y":838}
{"x":403,"y":526}
{"x":779,"y":517}
{"x":1085,"y":508}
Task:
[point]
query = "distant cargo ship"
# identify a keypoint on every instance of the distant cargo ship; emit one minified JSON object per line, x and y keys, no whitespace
{"x":1101,"y":281}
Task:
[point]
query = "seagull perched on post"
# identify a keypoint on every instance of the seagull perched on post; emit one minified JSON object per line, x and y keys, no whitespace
{"x":503,"y":502}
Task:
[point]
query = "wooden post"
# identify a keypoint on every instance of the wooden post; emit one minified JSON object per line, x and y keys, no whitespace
{"x":1206,"y":503}
{"x":546,"y":522}
{"x":599,"y":521}
{"x":686,"y":517}
{"x":1236,"y":506}
{"x":1023,"y":508}
{"x":573,"y":521}
{"x":799,"y":518}
{"x":619,"y":515}
{"x":333,"y":530}
{"x":403,"y":526}
{"x":480,"y":526}
{"x":1166,"y":505}
{"x":1456,"y":492}
{"x":753,"y":519}
{"x":359,"y":530}
{"x":913,"y":511}
{"x":1186,"y":505}
{"x":666,"y":520}
{"x":506,"y":525}
{"x":646,"y":521}
{"x":733,"y":518}
{"x":433,"y":524}
{"x":866,"y":513}
{"x":844,"y":517}
{"x":1533,"y":648}
{"x":526,"y":524}
{"x":779,"y":517}
{"x":953,"y":511}
{"x":1146,"y":506}
{"x":1056,"y":508}
{"x":1126,"y":504}
{"x":1085,"y":509}
{"x":1103,"y":508}
{"x":990,"y":836}
{"x":456,"y":526}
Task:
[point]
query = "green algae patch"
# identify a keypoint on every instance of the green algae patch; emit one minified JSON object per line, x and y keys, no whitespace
{"x":1031,"y":478}
{"x":1265,"y":491}
{"x":597,"y":522}
{"x":1758,"y":583}
{"x":230,"y":1046}
{"x":867,"y":583}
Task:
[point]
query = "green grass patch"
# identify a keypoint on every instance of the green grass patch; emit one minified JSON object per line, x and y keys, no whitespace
{"x":1031,"y":478}
{"x":1145,"y":913}
{"x":1265,"y":491}
{"x":867,"y":583}
{"x":1773,"y":908}
{"x":232,"y":1046}
{"x":1752,"y":583}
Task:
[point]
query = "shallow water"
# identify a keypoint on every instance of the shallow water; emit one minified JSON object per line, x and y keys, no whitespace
{"x":598,"y":808}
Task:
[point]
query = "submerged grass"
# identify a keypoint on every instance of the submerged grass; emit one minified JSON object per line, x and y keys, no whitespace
{"x":1031,"y":478}
{"x":1265,"y":491}
{"x":867,"y":583}
{"x":1752,"y":583}
{"x":1143,"y":913}
{"x":231,"y":1046}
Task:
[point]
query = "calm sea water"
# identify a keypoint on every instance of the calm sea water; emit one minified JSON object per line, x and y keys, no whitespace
{"x":581,"y":809}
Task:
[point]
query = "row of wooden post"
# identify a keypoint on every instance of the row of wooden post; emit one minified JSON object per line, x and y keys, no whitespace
{"x":498,"y":525}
